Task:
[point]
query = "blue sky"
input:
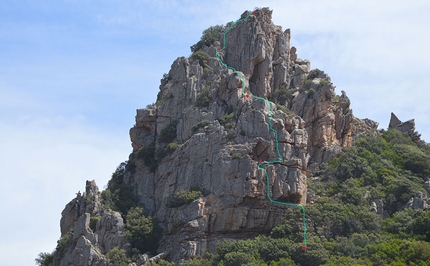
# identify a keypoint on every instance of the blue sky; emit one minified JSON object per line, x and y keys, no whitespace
{"x":73,"y":72}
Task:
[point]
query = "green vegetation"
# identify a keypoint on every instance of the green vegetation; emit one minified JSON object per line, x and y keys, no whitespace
{"x":44,"y":259}
{"x":209,"y":35}
{"x":143,"y":232}
{"x":341,"y":228}
{"x":231,"y":135}
{"x":283,"y":108}
{"x":203,"y":99}
{"x":314,"y":73}
{"x":200,"y":124}
{"x":93,"y":222}
{"x":147,"y":153}
{"x":336,"y":98}
{"x":202,"y":57}
{"x":118,"y":196}
{"x":186,"y":196}
{"x":228,"y":121}
{"x":281,"y":94}
{"x":236,"y":156}
{"x":118,"y":257}
{"x":168,"y":134}
{"x":324,"y":82}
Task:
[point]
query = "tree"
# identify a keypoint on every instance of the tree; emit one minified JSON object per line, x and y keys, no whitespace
{"x":209,"y":35}
{"x":44,"y":259}
{"x":144,"y":232}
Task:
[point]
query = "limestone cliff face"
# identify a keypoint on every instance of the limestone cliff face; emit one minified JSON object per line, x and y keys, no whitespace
{"x":203,"y":134}
{"x":220,"y":136}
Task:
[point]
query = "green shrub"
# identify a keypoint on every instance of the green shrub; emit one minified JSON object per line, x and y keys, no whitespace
{"x":186,"y":196}
{"x":197,"y":261}
{"x":118,"y":196}
{"x":44,"y":259}
{"x":281,"y":94}
{"x":123,"y":199}
{"x":324,"y":82}
{"x":228,"y":121}
{"x":237,"y":258}
{"x":93,"y":222}
{"x":314,"y":74}
{"x":199,"y":125}
{"x":236,"y":156}
{"x":62,"y":245}
{"x":336,"y":98}
{"x":168,"y":134}
{"x":202,"y":57}
{"x":147,"y":153}
{"x":209,"y":35}
{"x":164,"y":263}
{"x":283,"y":108}
{"x":117,"y":176}
{"x":203,"y":99}
{"x":231,"y":135}
{"x":143,"y":232}
{"x":118,"y":257}
{"x":172,"y":146}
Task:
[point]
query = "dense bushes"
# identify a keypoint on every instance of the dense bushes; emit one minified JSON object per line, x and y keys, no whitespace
{"x":118,"y":257}
{"x":44,"y":259}
{"x":185,"y":196}
{"x":143,"y":231}
{"x":209,"y":35}
{"x":341,"y":229}
{"x":117,"y":196}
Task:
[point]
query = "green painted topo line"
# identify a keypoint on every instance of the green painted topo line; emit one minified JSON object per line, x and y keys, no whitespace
{"x":280,"y":158}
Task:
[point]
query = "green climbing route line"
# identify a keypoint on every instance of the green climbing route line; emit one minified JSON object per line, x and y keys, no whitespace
{"x":280,"y":159}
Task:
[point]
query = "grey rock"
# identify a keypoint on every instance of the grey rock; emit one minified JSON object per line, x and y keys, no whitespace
{"x":406,"y":127}
{"x":419,"y":201}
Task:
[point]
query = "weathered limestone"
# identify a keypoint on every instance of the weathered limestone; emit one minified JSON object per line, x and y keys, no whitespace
{"x":406,"y":127}
{"x":220,"y":138}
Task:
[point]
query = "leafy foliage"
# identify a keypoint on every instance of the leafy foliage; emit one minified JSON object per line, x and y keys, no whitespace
{"x":168,"y":134}
{"x":200,"y":124}
{"x":118,"y":196}
{"x":147,"y":153}
{"x":228,"y":121}
{"x":281,"y":95}
{"x":341,"y":230}
{"x":93,"y":222}
{"x":44,"y":259}
{"x":209,"y":35}
{"x":203,"y":99}
{"x":315,"y":73}
{"x":118,"y":257}
{"x":144,"y":232}
{"x":186,"y":196}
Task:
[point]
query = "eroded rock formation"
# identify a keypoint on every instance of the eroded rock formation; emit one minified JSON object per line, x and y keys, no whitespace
{"x":202,"y":134}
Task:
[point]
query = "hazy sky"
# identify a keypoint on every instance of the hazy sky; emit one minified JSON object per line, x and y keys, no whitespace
{"x":73,"y":72}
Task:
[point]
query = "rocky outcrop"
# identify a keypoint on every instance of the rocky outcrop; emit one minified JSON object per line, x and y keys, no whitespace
{"x":218,"y":137}
{"x":203,"y":135}
{"x":418,"y":201}
{"x":81,"y":244}
{"x":405,"y":127}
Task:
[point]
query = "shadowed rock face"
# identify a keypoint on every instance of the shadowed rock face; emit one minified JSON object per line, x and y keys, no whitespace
{"x":202,"y":134}
{"x":406,"y":127}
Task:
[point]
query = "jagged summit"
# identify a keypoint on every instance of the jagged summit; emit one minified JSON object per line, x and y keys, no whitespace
{"x":203,"y":136}
{"x":406,"y":127}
